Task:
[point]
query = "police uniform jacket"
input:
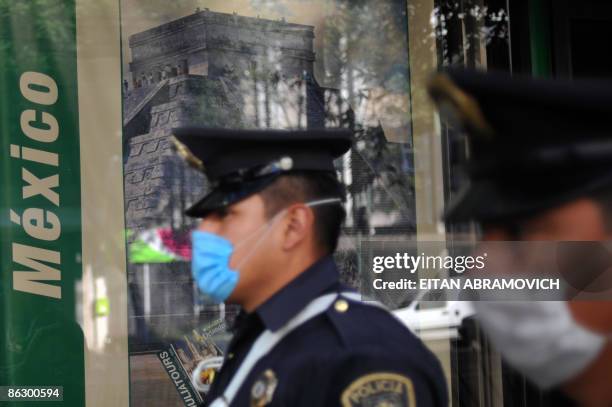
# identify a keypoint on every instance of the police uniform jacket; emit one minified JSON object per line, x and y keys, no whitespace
{"x":352,"y":354}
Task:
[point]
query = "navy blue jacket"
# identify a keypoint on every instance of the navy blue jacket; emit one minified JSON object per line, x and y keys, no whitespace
{"x":353,"y":354}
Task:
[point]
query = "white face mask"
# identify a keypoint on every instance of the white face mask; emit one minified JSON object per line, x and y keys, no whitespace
{"x":540,"y":339}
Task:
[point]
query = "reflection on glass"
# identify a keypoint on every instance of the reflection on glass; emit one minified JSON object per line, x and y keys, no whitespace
{"x":278,"y":64}
{"x":289,"y":64}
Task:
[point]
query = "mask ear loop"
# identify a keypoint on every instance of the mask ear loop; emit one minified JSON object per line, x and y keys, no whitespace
{"x":324,"y":201}
{"x":274,"y":218}
{"x":271,"y":223}
{"x":268,"y":225}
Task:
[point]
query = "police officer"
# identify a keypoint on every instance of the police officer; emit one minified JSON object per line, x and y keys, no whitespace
{"x":539,"y":170}
{"x":270,"y":225}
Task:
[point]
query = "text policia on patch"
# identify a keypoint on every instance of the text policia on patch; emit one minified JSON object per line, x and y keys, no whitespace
{"x":39,"y":128}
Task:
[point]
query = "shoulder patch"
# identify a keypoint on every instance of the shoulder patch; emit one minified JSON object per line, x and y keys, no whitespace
{"x":380,"y":389}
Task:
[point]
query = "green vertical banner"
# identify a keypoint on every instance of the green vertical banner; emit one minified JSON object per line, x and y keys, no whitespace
{"x":41,"y":343}
{"x":539,"y":29}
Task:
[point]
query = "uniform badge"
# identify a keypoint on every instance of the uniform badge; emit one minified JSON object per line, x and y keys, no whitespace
{"x":380,"y":390}
{"x":263,"y":389}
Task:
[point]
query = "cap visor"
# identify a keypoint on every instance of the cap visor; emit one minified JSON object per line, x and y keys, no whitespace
{"x":224,"y":196}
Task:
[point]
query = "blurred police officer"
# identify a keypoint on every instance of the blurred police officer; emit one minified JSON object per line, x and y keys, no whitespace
{"x":540,"y":170}
{"x":270,"y":225}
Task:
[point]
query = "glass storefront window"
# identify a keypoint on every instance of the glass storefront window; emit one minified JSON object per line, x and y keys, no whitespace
{"x":91,"y":93}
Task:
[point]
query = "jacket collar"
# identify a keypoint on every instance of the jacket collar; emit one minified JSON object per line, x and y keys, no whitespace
{"x":292,"y":298}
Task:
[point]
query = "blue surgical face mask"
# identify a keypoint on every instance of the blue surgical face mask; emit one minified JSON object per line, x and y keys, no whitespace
{"x":210,"y":265}
{"x":212,"y":253}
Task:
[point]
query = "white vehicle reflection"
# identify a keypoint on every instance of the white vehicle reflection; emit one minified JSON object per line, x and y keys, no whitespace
{"x":435,"y":323}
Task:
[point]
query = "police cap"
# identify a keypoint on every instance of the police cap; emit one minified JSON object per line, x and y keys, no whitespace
{"x":534,"y":143}
{"x":239,"y":163}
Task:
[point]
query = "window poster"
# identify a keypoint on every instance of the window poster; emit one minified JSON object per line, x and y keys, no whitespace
{"x":248,"y":64}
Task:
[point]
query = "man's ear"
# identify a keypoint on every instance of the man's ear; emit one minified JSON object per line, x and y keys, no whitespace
{"x":298,"y":227}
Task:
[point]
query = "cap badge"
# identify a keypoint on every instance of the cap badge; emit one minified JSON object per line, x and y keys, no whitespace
{"x":187,"y":155}
{"x":444,"y":91}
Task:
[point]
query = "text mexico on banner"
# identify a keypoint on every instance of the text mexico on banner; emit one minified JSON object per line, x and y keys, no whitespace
{"x":40,"y":215}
